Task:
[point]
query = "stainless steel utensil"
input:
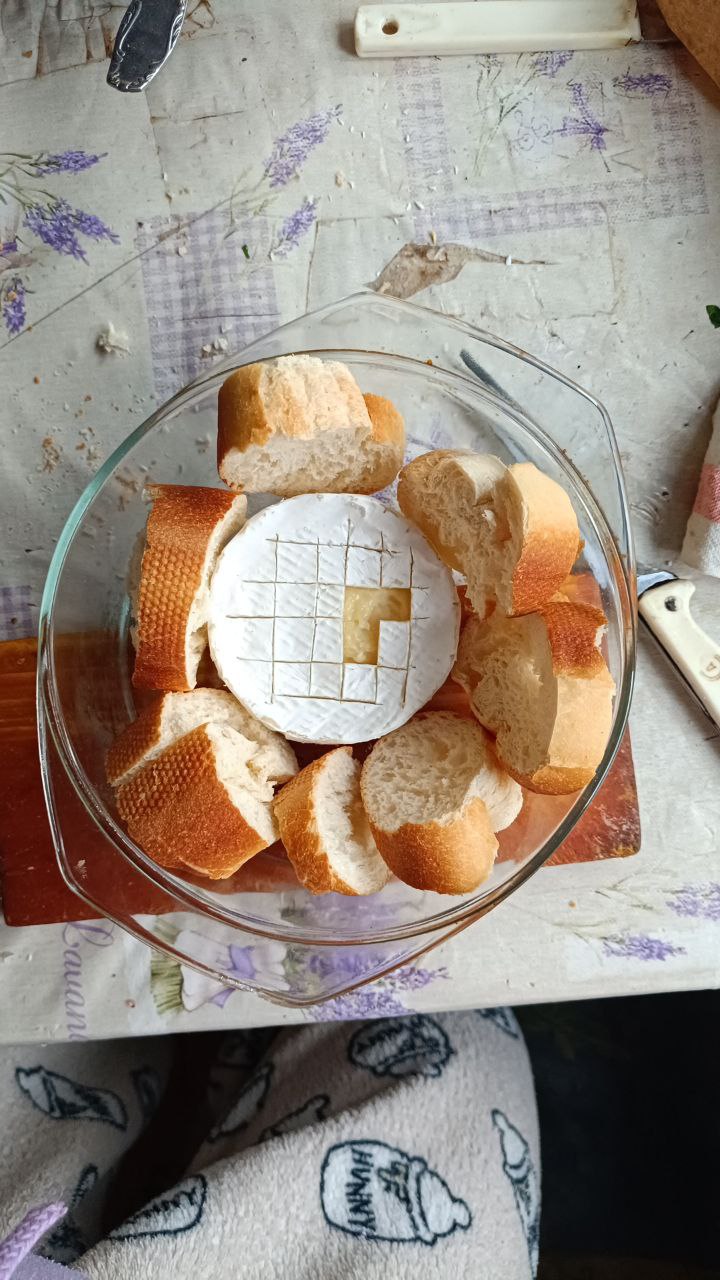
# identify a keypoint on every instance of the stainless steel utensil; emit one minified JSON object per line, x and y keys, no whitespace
{"x":146,"y":37}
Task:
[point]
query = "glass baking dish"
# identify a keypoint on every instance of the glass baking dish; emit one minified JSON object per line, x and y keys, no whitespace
{"x":455,"y":386}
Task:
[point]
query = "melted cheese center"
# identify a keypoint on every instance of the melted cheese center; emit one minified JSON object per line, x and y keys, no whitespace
{"x":364,"y":608}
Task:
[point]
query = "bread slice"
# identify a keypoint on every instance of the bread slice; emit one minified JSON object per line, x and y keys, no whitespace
{"x":203,"y":803}
{"x":541,"y":685}
{"x":511,"y":531}
{"x":434,"y":796}
{"x":301,"y":425}
{"x":172,"y":715}
{"x":324,"y":828}
{"x":186,"y":531}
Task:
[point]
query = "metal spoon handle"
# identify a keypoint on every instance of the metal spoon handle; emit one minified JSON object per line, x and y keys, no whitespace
{"x":146,"y":37}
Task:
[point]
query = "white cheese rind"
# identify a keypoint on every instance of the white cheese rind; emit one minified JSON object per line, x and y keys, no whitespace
{"x":276,"y":618}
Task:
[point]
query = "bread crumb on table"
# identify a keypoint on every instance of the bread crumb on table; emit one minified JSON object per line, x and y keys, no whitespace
{"x":112,"y":341}
{"x":50,"y":454}
{"x":217,"y":347}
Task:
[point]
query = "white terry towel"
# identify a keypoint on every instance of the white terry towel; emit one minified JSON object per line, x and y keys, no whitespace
{"x":404,"y":1147}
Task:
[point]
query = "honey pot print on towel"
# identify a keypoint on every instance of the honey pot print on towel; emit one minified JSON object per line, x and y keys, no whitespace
{"x":378,"y":1192}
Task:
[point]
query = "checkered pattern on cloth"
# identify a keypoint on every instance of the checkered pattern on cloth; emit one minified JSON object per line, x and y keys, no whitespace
{"x":18,"y":616}
{"x":199,"y":285}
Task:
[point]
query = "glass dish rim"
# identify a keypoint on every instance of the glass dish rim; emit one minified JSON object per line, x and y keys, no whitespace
{"x":186,"y":894}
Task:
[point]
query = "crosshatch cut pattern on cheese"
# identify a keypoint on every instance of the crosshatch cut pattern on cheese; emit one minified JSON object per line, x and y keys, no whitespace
{"x":286,"y":593}
{"x":300,"y":640}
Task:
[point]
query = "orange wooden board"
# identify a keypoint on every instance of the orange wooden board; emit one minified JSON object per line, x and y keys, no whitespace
{"x":32,"y":888}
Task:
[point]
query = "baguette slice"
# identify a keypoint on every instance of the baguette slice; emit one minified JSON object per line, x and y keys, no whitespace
{"x":511,"y":531}
{"x":204,"y":803}
{"x":186,"y":531}
{"x":434,"y":796}
{"x":541,"y":685}
{"x":301,"y":425}
{"x":324,"y":828}
{"x":172,"y":715}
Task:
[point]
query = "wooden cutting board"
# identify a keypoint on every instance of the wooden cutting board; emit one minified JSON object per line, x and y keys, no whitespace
{"x":34,"y":892}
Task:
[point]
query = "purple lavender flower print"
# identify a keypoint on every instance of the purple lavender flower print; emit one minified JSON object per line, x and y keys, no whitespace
{"x":292,"y":148}
{"x":548,"y":64}
{"x":651,"y":85}
{"x":411,"y":979}
{"x":13,"y":306}
{"x":585,"y":124}
{"x":65,"y":162}
{"x":697,"y":901}
{"x":295,"y":226}
{"x":379,"y":1000}
{"x":93,"y":227}
{"x":639,"y":946}
{"x":58,"y":225}
{"x":52,"y":219}
{"x":200,"y":988}
{"x":370,"y":1003}
{"x":53,"y":225}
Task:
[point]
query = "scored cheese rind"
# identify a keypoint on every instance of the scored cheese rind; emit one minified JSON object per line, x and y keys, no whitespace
{"x":276,"y":618}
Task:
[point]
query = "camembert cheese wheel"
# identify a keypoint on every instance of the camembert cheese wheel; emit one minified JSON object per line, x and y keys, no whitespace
{"x":332,"y":619}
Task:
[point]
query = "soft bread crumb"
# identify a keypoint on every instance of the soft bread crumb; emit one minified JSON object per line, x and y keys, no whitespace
{"x":325,"y":830}
{"x":511,"y":531}
{"x":301,"y":425}
{"x":172,"y":715}
{"x":433,"y":793}
{"x":541,"y":685}
{"x":430,"y":768}
{"x":203,"y":803}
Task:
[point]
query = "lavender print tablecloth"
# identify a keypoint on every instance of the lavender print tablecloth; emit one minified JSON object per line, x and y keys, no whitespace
{"x":569,"y":202}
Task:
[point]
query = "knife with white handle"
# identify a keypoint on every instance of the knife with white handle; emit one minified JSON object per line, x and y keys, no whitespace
{"x":664,"y":607}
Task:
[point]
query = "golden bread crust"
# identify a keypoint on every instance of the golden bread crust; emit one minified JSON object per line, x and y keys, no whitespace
{"x":549,"y":541}
{"x":572,"y":631}
{"x":242,"y":419}
{"x":453,"y":857}
{"x":135,"y":741}
{"x":294,"y":807}
{"x":179,"y":528}
{"x":178,"y":811}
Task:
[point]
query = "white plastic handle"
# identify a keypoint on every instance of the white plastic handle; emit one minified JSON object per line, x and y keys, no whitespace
{"x":493,"y":26}
{"x":666,"y":610}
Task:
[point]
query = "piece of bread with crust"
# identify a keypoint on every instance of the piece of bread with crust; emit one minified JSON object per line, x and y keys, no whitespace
{"x":187,"y":529}
{"x":301,"y":425}
{"x":171,"y":715}
{"x":541,"y":684}
{"x":205,"y":802}
{"x":434,"y":796}
{"x":511,"y":531}
{"x":324,"y":828}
